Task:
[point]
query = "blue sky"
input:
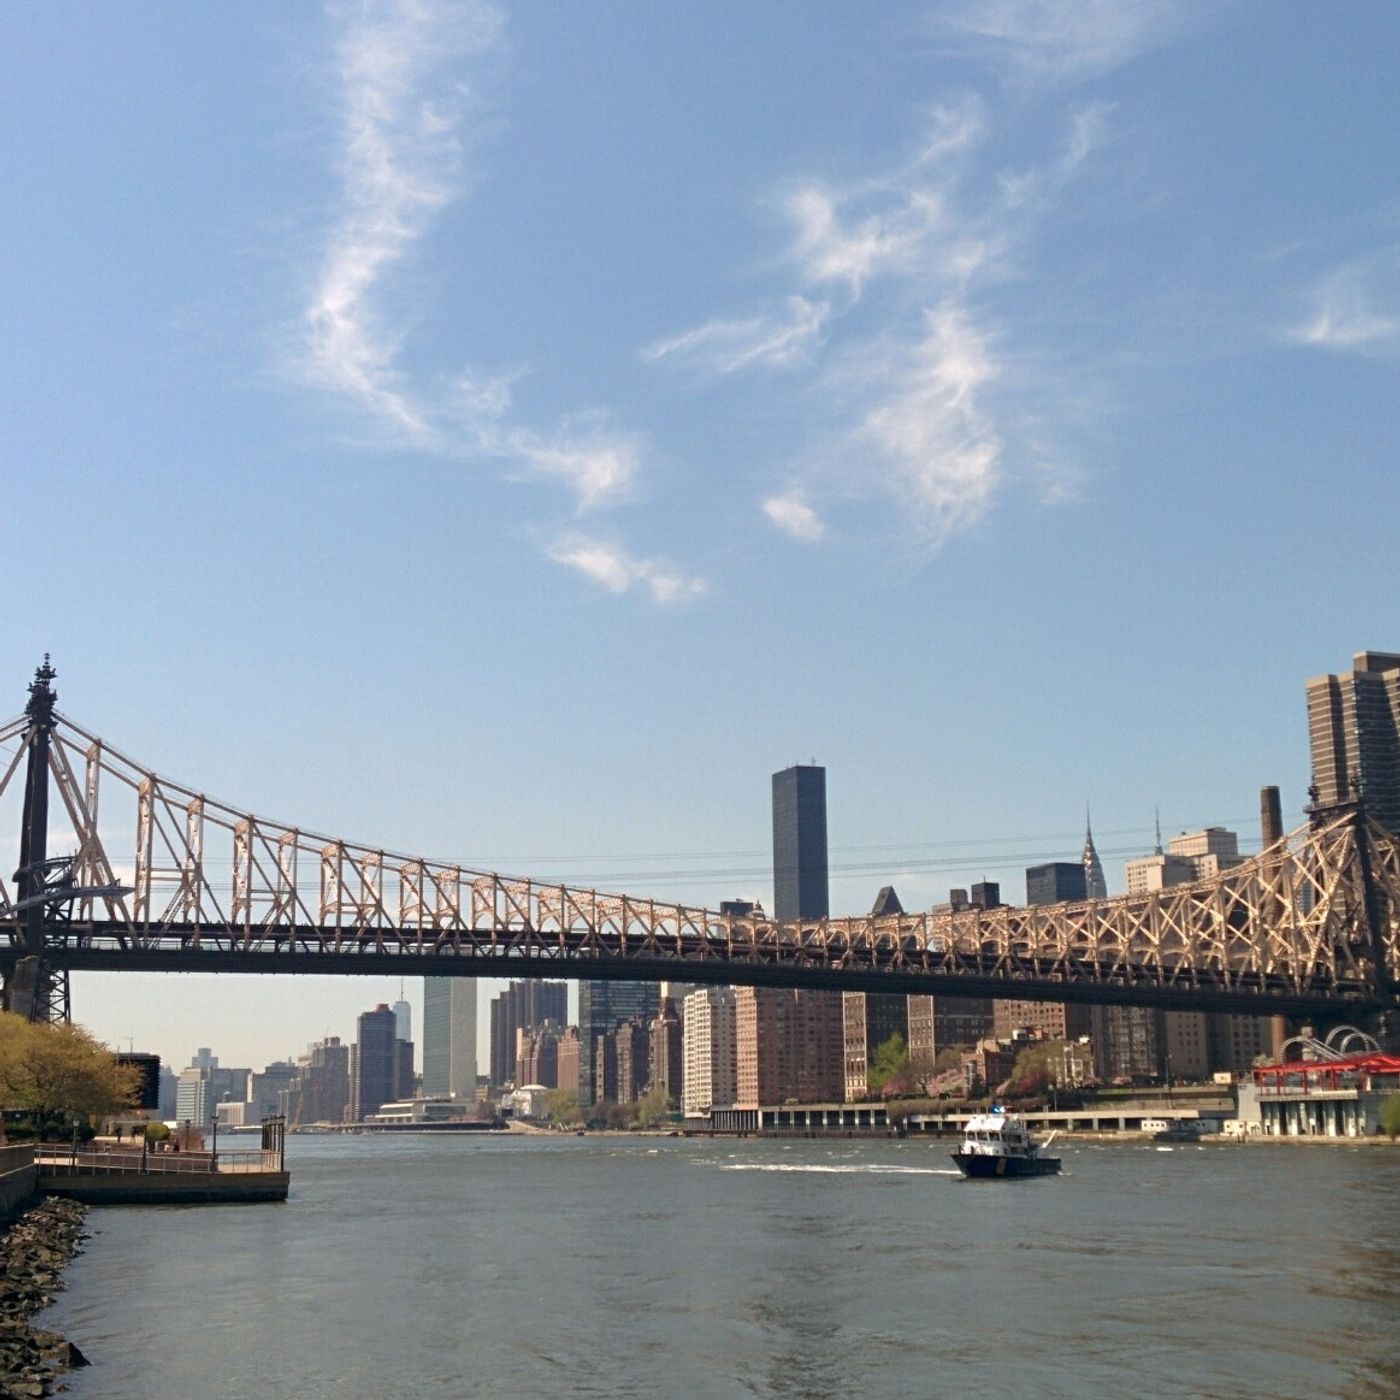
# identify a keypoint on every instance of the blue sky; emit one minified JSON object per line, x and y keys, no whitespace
{"x":511,"y":432}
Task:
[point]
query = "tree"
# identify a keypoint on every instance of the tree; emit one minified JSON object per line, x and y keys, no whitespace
{"x":54,"y":1073}
{"x":652,"y":1109}
{"x":1390,"y":1116}
{"x":888,"y":1061}
{"x":561,"y":1107}
{"x":1033,"y":1071}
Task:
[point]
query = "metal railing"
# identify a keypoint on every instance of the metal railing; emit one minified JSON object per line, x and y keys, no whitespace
{"x":60,"y":1159}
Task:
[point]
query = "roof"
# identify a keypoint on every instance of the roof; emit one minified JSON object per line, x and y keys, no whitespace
{"x":1374,"y":1063}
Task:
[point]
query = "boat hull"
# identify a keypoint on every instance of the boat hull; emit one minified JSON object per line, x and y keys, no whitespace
{"x":986,"y":1167}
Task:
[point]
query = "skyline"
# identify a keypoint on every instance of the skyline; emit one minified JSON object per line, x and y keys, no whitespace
{"x":512,"y":434}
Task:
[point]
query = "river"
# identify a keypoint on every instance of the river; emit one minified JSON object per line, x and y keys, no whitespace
{"x":526,"y":1266}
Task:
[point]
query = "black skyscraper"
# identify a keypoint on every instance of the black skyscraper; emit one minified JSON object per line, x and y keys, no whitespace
{"x":1056,"y":883}
{"x":799,"y":844}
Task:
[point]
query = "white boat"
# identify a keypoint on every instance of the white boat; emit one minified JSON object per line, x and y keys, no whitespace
{"x":998,"y":1145}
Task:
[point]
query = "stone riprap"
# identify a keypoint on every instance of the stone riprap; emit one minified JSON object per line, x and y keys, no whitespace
{"x":33,"y":1252}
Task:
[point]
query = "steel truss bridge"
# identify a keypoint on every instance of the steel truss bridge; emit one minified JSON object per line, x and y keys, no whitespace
{"x":1308,"y":928}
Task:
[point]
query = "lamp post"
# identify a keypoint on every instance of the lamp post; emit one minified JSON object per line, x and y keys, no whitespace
{"x":73,"y":1160}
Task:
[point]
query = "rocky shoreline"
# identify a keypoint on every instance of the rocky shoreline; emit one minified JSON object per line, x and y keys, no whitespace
{"x":33,"y":1252}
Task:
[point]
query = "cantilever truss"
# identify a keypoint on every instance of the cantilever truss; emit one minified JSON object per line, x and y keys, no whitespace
{"x":218,"y":889}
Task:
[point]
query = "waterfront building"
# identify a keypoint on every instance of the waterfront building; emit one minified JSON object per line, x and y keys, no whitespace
{"x":710,"y":1050}
{"x":1354,"y":734}
{"x":813,"y":1062}
{"x":194,"y":1098}
{"x":320,"y":1092}
{"x":633,"y":1056}
{"x":1055,"y":882}
{"x":374,"y":1062}
{"x":601,"y":1006}
{"x":538,"y":1060}
{"x":567,"y":1072}
{"x":522,"y":1007}
{"x":868,"y":1021}
{"x":449,"y":1038}
{"x":665,"y":1063}
{"x":265,"y":1090}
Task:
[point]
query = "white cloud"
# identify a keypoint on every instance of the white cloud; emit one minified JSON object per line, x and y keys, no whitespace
{"x":1049,"y":43}
{"x":790,"y":513}
{"x":1356,"y":307}
{"x":724,"y":347}
{"x":400,"y":162}
{"x":938,"y":449}
{"x":618,"y":572}
{"x":598,"y":466}
{"x":832,"y":248}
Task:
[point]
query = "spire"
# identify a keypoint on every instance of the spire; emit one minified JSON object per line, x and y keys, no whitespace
{"x":1157,"y":817}
{"x":1095,"y":886}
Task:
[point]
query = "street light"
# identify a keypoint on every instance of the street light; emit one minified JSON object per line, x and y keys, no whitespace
{"x":74,"y":1158}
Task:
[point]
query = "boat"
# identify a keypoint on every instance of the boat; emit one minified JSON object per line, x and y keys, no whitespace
{"x":998,"y":1145}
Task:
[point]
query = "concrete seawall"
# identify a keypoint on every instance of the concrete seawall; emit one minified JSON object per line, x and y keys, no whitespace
{"x":164,"y":1188}
{"x":19,"y":1179}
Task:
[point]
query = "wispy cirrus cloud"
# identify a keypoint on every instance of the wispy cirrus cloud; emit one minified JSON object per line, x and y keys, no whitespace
{"x":772,"y":338}
{"x":615,"y":570}
{"x":909,"y":389}
{"x":939,"y":444}
{"x":1053,"y":43}
{"x":402,"y":102}
{"x":1355,"y":308}
{"x":790,"y":513}
{"x":409,"y":78}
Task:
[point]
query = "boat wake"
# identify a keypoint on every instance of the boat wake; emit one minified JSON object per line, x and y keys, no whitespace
{"x":872,"y":1169}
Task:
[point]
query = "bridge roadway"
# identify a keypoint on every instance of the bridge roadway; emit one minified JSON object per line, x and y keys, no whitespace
{"x":1309,"y":927}
{"x":762,"y":955}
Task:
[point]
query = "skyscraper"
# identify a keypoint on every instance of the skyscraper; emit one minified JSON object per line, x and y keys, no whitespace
{"x":1095,"y":886}
{"x":522,"y":1008}
{"x":799,"y":844}
{"x":374,"y":1062}
{"x":1354,"y":732}
{"x":449,"y":1038}
{"x":601,"y":1005}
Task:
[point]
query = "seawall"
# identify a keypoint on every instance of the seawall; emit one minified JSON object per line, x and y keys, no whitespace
{"x":164,"y":1188}
{"x":19,"y":1181}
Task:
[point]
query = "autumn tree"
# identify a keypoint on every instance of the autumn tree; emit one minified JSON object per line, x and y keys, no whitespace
{"x":54,"y":1073}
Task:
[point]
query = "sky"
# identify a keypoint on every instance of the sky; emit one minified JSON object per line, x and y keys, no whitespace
{"x":509,"y":433}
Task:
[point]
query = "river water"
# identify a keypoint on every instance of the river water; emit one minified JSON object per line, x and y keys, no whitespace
{"x":657,"y":1267}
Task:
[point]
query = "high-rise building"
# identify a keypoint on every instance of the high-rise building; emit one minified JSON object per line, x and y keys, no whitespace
{"x":710,"y":1051}
{"x":403,"y":1020}
{"x":568,"y":1061}
{"x":374,"y":1062}
{"x":601,"y":1006}
{"x":1056,"y":882}
{"x":538,"y":1061}
{"x":1095,"y":886}
{"x":194,"y":1099}
{"x":811,"y":1066}
{"x":449,"y":1038}
{"x":799,"y":844}
{"x":520,"y":1008}
{"x":868,"y":1021}
{"x":320,"y":1092}
{"x":633,"y":1059}
{"x":265,"y":1089}
{"x":1354,"y":733}
{"x":666,"y":1063}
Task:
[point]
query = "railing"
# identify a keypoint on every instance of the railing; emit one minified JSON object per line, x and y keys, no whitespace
{"x":58,"y":1159}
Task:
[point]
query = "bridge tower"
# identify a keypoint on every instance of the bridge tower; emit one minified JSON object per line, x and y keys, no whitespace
{"x":34,"y":989}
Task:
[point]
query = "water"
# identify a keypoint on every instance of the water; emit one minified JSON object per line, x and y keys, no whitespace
{"x":657,"y":1267}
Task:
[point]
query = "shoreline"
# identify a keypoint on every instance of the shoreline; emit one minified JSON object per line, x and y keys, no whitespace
{"x":35,"y":1248}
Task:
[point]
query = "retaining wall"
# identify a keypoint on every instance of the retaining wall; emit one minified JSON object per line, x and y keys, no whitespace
{"x":19,"y":1179}
{"x":165,"y":1188}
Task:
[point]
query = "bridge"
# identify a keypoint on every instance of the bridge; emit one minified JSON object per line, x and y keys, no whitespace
{"x":1310,"y":927}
